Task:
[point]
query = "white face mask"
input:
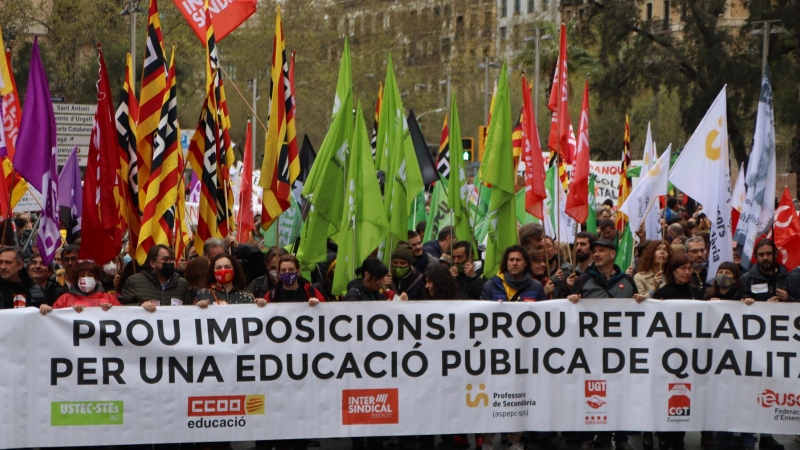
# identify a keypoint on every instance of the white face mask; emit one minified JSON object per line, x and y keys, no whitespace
{"x":273,"y":274}
{"x":87,"y":284}
{"x":110,"y":268}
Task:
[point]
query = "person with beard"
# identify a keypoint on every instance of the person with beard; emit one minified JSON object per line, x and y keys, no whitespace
{"x":650,"y":271}
{"x":768,"y":280}
{"x":420,"y":259}
{"x":604,"y":280}
{"x":513,"y":282}
{"x":696,"y":250}
{"x":469,"y":281}
{"x":406,"y":280}
{"x":157,"y":284}
{"x":17,"y":290}
{"x":583,"y":258}
{"x":40,"y":274}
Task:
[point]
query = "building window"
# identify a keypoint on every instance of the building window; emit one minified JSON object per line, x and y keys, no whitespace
{"x":503,"y":8}
{"x":649,"y":9}
{"x":544,"y":4}
{"x":503,"y":34}
{"x":517,"y":7}
{"x":531,"y":7}
{"x":666,"y":14}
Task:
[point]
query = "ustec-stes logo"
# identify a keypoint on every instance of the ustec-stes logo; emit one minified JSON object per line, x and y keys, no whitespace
{"x":679,"y":404}
{"x":226,"y":405}
{"x":370,"y":406}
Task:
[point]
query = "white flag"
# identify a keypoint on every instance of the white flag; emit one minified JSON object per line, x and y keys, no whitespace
{"x":759,"y":207}
{"x":739,"y":194}
{"x":652,"y":184}
{"x":703,"y":173}
{"x":652,"y":223}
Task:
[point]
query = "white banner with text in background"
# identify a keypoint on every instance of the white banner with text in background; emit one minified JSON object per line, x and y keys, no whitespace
{"x":234,"y":373}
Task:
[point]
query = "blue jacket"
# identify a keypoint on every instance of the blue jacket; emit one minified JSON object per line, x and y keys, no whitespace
{"x":495,"y":289}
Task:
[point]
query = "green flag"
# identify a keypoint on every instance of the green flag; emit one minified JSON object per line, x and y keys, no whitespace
{"x":591,"y":220}
{"x":417,"y":214}
{"x":439,"y":215}
{"x":324,"y":188}
{"x":479,"y":213}
{"x":398,"y":160}
{"x":363,"y":225}
{"x":285,"y":228}
{"x":497,"y":170}
{"x":624,"y":257}
{"x":458,"y":195}
{"x":523,"y":217}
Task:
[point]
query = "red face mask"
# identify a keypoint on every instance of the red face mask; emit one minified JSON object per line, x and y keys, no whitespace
{"x":223,"y":276}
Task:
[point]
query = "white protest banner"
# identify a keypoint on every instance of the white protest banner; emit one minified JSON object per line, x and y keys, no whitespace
{"x":233,"y":373}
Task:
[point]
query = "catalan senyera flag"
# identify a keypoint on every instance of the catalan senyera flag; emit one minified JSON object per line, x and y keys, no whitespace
{"x":127,"y":117}
{"x":377,"y":117}
{"x":12,"y":113}
{"x":516,"y":139}
{"x":158,"y":216}
{"x":207,"y":139}
{"x":624,"y":182}
{"x":281,"y":164}
{"x":151,"y":98}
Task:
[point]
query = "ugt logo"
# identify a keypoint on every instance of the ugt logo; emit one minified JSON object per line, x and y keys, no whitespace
{"x":595,"y":393}
{"x":481,"y":397}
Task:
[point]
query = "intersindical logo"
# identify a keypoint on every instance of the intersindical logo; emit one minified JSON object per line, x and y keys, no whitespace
{"x":370,"y":406}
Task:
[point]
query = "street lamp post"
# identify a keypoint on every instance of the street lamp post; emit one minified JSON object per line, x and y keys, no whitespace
{"x":485,"y":66}
{"x":765,"y":31}
{"x":131,"y":8}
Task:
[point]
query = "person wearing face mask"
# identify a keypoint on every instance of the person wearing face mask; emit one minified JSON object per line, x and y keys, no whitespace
{"x":370,"y":286}
{"x":156,"y":284}
{"x":261,"y":286}
{"x":406,"y":281}
{"x":110,"y":270}
{"x":85,"y":291}
{"x":468,"y":278}
{"x":227,"y":281}
{"x":292,"y":288}
{"x":727,"y":285}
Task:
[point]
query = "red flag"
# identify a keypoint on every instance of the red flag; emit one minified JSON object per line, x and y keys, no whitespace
{"x":535,"y":192}
{"x":226,"y":15}
{"x":578,"y":197}
{"x":100,"y":223}
{"x":12,"y":112}
{"x":245,"y":218}
{"x":787,"y":232}
{"x":559,"y":104}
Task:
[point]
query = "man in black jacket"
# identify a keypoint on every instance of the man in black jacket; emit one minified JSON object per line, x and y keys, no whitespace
{"x":769,"y":281}
{"x":40,"y":274}
{"x":469,"y":281}
{"x":17,"y":290}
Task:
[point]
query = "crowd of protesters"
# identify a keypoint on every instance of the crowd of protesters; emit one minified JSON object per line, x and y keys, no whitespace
{"x":447,"y":267}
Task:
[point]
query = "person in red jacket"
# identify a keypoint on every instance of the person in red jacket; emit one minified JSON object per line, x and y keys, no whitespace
{"x":85,"y":290}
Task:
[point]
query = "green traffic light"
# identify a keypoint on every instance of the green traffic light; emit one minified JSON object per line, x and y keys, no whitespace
{"x":466,"y":156}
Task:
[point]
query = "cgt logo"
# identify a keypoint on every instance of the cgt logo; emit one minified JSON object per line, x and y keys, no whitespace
{"x":226,"y":405}
{"x":370,"y":406}
{"x":769,"y":398}
{"x":679,"y":404}
{"x":595,"y":393}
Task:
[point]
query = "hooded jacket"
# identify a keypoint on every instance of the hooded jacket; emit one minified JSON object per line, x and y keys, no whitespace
{"x":593,"y":284}
{"x":74,"y":296}
{"x":356,"y":291}
{"x":760,"y":287}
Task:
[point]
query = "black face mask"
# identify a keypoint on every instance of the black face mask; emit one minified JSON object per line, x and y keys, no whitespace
{"x":166,"y":270}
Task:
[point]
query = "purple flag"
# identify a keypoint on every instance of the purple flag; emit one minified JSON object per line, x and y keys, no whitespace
{"x":36,"y":158}
{"x":70,"y":197}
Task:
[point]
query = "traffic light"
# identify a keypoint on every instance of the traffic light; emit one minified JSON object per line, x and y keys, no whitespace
{"x":481,"y":141}
{"x":468,"y":144}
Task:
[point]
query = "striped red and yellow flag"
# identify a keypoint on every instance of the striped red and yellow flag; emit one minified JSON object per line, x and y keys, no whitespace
{"x":281,"y":164}
{"x":151,"y":98}
{"x":624,"y":182}
{"x":377,"y":116}
{"x":127,"y":118}
{"x":158,"y":216}
{"x":206,"y":140}
{"x":516,"y":140}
